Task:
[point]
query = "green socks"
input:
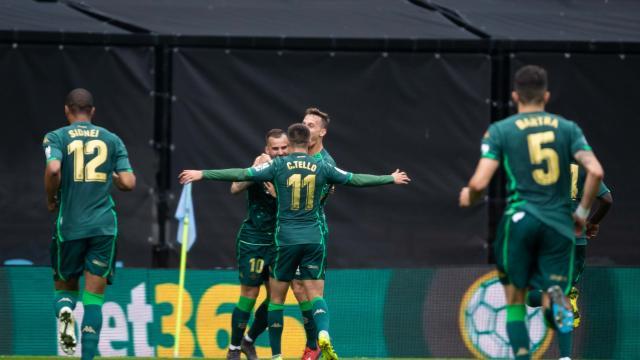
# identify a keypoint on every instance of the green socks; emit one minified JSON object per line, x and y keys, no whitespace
{"x":320,"y":314}
{"x":275,"y":321}
{"x":309,"y":325}
{"x":260,"y":321}
{"x":517,"y":331}
{"x":240,"y":318}
{"x":64,"y":298}
{"x":91,"y":324}
{"x":565,"y":343}
{"x":534,"y":298}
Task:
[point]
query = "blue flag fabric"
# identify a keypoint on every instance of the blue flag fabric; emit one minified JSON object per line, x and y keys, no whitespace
{"x":185,"y":209}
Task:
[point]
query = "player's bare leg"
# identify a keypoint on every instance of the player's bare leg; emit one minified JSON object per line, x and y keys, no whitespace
{"x":311,"y":350}
{"x":275,"y":318}
{"x":240,"y":318}
{"x":66,"y":296}
{"x":315,"y":292}
{"x":516,"y":327}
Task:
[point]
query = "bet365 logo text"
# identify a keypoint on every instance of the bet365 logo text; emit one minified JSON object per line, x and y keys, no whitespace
{"x":483,"y":322}
{"x":143,"y":323}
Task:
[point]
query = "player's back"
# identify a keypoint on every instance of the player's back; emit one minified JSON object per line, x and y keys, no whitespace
{"x":299,"y":179}
{"x":89,"y":154}
{"x":536,"y":150}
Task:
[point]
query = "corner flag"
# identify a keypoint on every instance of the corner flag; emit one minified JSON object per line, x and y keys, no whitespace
{"x":186,"y":217}
{"x":187,"y":237}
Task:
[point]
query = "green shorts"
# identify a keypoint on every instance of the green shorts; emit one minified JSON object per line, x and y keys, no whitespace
{"x":97,"y":255}
{"x":302,"y":262}
{"x":253,"y":263}
{"x":531,"y":254}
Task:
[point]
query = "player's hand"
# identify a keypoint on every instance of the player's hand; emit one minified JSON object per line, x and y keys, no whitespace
{"x":270,"y":188}
{"x":465,"y":197}
{"x":592,"y":230}
{"x":332,"y":190}
{"x":261,"y":159}
{"x":187,"y":176}
{"x":400,"y":177}
{"x":579,"y":224}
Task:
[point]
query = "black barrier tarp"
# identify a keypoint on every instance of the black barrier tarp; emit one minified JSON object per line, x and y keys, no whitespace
{"x":35,"y":81}
{"x":364,"y":19}
{"x":26,"y":16}
{"x":599,"y":92}
{"x":424,"y":113}
{"x":551,"y":20}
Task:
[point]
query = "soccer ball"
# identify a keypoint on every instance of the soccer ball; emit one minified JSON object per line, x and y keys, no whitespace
{"x":484,"y":322}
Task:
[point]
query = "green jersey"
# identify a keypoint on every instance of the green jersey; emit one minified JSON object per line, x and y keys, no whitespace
{"x":261,"y":215}
{"x":88,"y":155}
{"x":298,"y":179}
{"x":536,"y":150}
{"x":325,"y":156}
{"x":578,"y":176}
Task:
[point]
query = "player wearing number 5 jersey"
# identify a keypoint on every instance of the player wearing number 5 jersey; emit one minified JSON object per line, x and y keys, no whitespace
{"x":83,"y":161}
{"x":534,"y":244}
{"x":300,"y":232}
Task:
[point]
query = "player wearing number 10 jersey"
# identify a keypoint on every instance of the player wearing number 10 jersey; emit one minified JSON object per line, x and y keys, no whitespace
{"x":534,"y":245}
{"x":83,"y":160}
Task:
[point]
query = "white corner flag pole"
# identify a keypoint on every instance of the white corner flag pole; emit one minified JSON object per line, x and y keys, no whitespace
{"x":183,"y":268}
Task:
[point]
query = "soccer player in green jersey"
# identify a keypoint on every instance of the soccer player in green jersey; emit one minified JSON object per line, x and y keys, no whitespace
{"x":299,"y":235}
{"x":83,"y":160}
{"x":254,"y":247}
{"x":317,"y":122}
{"x":605,"y":200}
{"x":535,"y":240}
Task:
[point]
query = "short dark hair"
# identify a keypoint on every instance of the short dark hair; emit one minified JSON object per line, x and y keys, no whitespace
{"x":274,"y":133}
{"x":298,"y":135}
{"x":530,"y":83}
{"x":79,"y":101}
{"x":322,"y":115}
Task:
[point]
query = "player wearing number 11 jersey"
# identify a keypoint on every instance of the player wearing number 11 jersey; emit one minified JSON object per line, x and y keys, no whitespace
{"x":83,"y":161}
{"x":535,"y":240}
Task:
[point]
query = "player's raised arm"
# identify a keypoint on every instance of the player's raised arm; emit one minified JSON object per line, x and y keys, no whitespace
{"x":595,"y":174}
{"x":237,"y":187}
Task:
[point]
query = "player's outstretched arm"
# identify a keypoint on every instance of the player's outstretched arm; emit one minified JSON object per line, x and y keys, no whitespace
{"x":52,"y":179}
{"x":595,"y":174}
{"x":361,"y":180}
{"x":471,"y":193}
{"x":125,"y":180}
{"x":237,"y":174}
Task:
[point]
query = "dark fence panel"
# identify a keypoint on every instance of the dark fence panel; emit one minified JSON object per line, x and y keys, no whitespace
{"x":421,"y":112}
{"x":35,"y":81}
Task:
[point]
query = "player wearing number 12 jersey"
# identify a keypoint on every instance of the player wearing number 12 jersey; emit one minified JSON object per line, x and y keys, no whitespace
{"x":535,"y":241}
{"x":83,"y":161}
{"x":299,"y":235}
